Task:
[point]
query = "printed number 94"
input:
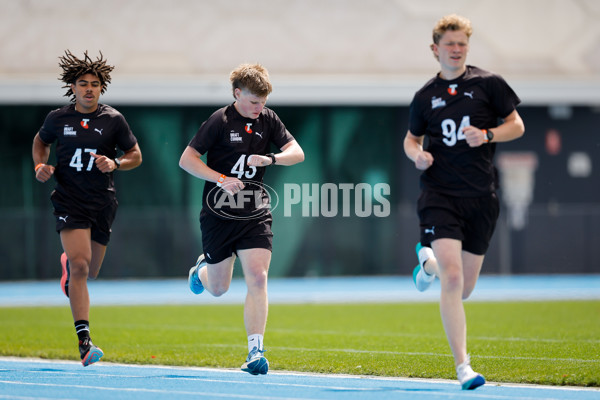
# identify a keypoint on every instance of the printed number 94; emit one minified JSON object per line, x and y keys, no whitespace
{"x":451,"y":135}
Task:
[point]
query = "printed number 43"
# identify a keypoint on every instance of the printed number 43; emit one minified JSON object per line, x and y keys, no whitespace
{"x":239,"y":169}
{"x":451,"y":135}
{"x":76,"y":160}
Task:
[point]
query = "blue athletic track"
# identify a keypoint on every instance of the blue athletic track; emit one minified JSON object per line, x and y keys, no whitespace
{"x":46,"y":379}
{"x":41,"y":380}
{"x":305,"y":290}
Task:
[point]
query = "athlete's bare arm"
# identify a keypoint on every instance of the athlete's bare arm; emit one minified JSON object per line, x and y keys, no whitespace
{"x":191,"y":163}
{"x":413,"y":147}
{"x":41,"y":152}
{"x":291,"y":153}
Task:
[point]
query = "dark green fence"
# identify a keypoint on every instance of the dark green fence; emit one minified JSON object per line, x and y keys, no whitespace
{"x":156,"y":233}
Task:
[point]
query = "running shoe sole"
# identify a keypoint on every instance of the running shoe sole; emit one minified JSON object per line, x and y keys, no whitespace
{"x":92,"y":356}
{"x":421,"y":284}
{"x":474,"y":383}
{"x":194,"y":281}
{"x":258,"y":366}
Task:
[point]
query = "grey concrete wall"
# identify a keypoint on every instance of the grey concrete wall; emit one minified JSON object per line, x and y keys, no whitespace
{"x":313,"y":48}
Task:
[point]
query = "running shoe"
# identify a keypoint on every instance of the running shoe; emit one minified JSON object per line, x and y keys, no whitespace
{"x":256,"y":363}
{"x":66,"y":274}
{"x":193,"y":279}
{"x":89,"y":352}
{"x":421,"y":278}
{"x":468,"y":378}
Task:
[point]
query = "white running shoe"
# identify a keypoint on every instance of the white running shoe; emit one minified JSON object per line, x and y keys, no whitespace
{"x":421,"y":278}
{"x":468,"y":378}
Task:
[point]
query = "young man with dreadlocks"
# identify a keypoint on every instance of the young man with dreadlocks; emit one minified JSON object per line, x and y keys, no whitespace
{"x":87,"y":135}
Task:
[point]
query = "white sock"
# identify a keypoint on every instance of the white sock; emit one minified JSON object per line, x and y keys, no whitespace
{"x":464,"y":372}
{"x":425,"y":254}
{"x":255,"y":340}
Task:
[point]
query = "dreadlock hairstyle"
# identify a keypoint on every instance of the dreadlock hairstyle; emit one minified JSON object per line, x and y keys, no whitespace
{"x":73,"y":68}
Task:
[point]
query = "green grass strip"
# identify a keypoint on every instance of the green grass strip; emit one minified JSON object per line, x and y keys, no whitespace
{"x":555,"y":343}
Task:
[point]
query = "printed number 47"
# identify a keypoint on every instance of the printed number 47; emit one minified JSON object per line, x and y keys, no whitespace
{"x":451,"y":135}
{"x":76,"y":160}
{"x":238,"y":168}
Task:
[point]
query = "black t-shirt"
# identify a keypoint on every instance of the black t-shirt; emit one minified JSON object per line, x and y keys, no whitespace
{"x":229,"y":138}
{"x":440,"y":110}
{"x":76,"y":136}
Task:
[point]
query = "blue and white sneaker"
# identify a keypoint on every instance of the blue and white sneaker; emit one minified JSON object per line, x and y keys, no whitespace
{"x":90,"y":353}
{"x":421,"y":278}
{"x":468,"y":378}
{"x":193,"y":279}
{"x":256,"y":363}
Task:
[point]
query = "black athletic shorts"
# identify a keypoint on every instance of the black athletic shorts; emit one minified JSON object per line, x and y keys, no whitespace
{"x":73,"y":216}
{"x":223,"y":237}
{"x":471,"y":220}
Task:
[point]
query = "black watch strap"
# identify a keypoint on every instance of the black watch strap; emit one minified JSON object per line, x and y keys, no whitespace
{"x":273,"y":159}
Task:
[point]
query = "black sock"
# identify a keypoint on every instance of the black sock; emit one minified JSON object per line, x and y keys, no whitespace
{"x":82,"y":327}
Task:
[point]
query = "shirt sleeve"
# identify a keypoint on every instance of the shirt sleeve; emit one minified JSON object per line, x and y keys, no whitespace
{"x":280,"y":136}
{"x":208,"y":133}
{"x":48,"y":131}
{"x":125,"y":138}
{"x":504,"y":100}
{"x":417,"y":123}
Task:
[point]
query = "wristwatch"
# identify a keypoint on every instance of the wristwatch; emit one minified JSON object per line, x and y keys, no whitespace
{"x":489,"y":135}
{"x":117,"y":163}
{"x":273,"y":159}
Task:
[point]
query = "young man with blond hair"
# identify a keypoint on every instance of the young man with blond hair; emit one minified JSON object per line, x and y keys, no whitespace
{"x":235,"y":219}
{"x":464,"y":111}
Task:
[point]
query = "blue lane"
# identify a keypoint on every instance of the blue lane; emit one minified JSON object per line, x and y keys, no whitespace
{"x":305,"y":290}
{"x":43,"y":379}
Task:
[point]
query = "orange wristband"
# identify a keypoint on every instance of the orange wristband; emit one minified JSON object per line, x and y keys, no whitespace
{"x":38,"y":167}
{"x":221,"y":180}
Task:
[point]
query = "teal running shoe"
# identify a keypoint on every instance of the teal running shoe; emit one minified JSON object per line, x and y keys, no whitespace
{"x":468,"y":378}
{"x":193,"y":279}
{"x":256,"y":363}
{"x":421,"y":278}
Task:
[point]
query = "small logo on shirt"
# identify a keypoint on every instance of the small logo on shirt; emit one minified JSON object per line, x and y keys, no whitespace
{"x":84,"y":123}
{"x":437,"y":102}
{"x":248,"y":128}
{"x":69,"y":131}
{"x":258,"y":134}
{"x":452,"y":89}
{"x":430,"y":231}
{"x":234,"y":137}
{"x":64,"y":219}
{"x":99,"y":130}
{"x":470,"y":94}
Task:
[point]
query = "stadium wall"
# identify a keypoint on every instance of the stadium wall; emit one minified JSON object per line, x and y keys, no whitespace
{"x":338,"y":66}
{"x":318,"y":51}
